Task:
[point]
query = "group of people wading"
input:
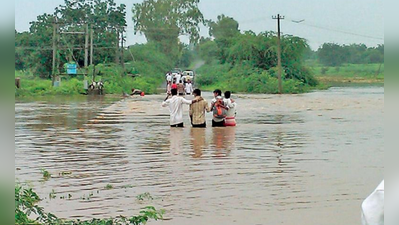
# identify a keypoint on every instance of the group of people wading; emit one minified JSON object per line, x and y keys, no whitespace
{"x":222,"y":108}
{"x":177,"y":81}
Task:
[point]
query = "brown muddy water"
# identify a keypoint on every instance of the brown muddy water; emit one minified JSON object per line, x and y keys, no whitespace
{"x":293,"y":159}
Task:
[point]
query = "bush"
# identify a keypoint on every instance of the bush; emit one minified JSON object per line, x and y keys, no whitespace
{"x":211,"y":74}
{"x":324,"y":70}
{"x":147,"y":63}
{"x":246,"y":79}
{"x":26,"y":208}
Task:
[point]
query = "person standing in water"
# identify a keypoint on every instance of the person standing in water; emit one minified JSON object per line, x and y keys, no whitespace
{"x":218,"y":107}
{"x":180,"y":88}
{"x":230,"y":120}
{"x":174,"y":85}
{"x":198,"y":110}
{"x":175,"y":105}
{"x":189,"y":88}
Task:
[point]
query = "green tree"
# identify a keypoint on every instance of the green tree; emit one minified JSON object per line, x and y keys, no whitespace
{"x":208,"y":50}
{"x":356,"y":53}
{"x":105,"y":17}
{"x":224,"y":27}
{"x":331,"y":54}
{"x":163,"y":21}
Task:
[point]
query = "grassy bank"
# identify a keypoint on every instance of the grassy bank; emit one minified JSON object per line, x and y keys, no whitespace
{"x":116,"y":81}
{"x":247,"y":79}
{"x":147,"y":64}
{"x":349,"y":73}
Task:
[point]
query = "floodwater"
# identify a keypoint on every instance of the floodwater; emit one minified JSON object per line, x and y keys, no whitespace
{"x":306,"y":159}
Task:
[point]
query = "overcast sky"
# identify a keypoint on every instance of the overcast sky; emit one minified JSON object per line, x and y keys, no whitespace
{"x":338,"y":21}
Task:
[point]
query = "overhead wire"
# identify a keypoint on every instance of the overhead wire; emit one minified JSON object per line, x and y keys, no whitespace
{"x":305,"y":23}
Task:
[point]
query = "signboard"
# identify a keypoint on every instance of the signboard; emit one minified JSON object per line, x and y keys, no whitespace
{"x":72,"y":68}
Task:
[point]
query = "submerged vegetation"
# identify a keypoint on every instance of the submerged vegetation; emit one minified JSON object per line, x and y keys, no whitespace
{"x":46,"y":174}
{"x":28,"y":212}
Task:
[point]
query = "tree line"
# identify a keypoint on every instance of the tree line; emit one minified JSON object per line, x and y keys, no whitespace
{"x":331,"y":54}
{"x":250,"y":59}
{"x":33,"y":48}
{"x":162,"y":22}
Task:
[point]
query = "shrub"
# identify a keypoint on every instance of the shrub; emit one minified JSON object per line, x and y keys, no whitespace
{"x":26,"y":208}
{"x":324,"y":70}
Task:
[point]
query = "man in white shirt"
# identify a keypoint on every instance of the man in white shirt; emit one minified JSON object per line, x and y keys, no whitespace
{"x":178,"y":78}
{"x":169,"y":77}
{"x":176,"y":108}
{"x":189,"y":88}
{"x":231,"y":112}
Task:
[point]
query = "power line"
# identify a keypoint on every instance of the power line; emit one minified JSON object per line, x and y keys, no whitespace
{"x":303,"y":22}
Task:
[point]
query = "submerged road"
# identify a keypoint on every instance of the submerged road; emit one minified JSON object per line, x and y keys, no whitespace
{"x":304,"y":159}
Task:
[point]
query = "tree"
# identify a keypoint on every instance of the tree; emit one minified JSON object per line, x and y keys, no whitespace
{"x":104,"y":17}
{"x":208,"y":50}
{"x":331,"y":54}
{"x":225,"y":27}
{"x":163,"y":21}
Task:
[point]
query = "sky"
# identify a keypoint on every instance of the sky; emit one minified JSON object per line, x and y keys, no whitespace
{"x":337,"y":21}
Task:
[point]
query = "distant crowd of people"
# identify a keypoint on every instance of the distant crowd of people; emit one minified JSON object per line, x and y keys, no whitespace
{"x":178,"y":81}
{"x":222,"y":108}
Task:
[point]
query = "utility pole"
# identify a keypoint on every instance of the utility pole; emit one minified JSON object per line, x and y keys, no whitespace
{"x":117,"y":54}
{"x":91,"y":45}
{"x":54,"y":51}
{"x":278,"y":18}
{"x":58,"y":49}
{"x":122,"y":52}
{"x":86,"y":45}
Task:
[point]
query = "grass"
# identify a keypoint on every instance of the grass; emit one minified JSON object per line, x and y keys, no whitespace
{"x":245,"y":79}
{"x":144,"y":196}
{"x":350,"y":73}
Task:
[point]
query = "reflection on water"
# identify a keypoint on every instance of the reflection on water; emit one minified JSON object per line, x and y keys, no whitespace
{"x":176,"y":138}
{"x":292,"y":159}
{"x":198,"y":141}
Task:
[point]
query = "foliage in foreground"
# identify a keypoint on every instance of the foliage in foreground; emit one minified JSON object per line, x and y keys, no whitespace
{"x":26,"y":208}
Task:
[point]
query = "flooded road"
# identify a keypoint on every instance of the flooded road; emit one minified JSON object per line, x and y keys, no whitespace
{"x":305,"y":159}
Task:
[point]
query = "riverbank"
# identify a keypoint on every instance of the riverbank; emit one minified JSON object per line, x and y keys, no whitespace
{"x":116,"y":81}
{"x":213,"y":76}
{"x":346,"y":74}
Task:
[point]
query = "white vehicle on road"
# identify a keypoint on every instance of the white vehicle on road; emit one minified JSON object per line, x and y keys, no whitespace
{"x":189,"y":75}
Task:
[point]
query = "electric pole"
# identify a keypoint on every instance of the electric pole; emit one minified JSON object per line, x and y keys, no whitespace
{"x":117,"y":52}
{"x":91,"y":45}
{"x":86,"y":45}
{"x":54,"y":51}
{"x":122,"y":52}
{"x":278,"y":18}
